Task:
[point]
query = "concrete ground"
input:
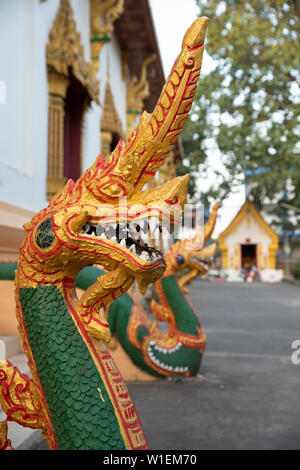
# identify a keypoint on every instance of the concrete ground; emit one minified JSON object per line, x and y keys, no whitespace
{"x":247,"y":393}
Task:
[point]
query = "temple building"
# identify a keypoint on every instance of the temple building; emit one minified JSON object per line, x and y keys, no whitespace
{"x":249,"y":242}
{"x":75,"y":77}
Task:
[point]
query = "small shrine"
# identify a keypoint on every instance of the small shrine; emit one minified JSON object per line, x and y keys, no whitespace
{"x":249,"y":243}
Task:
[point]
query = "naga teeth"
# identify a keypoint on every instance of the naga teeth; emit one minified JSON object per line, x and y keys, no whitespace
{"x":165,"y":231}
{"x":133,"y":236}
{"x":145,"y":255}
{"x":152,"y":223}
{"x":156,"y":233}
{"x":132,"y":249}
{"x":158,"y":362}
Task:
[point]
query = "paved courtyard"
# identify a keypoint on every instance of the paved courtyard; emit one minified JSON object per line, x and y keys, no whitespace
{"x":247,"y":393}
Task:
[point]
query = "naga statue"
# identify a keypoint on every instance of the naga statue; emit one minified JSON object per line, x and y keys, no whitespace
{"x":190,"y":254}
{"x":76,"y":395}
{"x":178,"y":351}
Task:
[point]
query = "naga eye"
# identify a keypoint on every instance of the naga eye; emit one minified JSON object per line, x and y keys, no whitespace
{"x":180,"y":259}
{"x":44,"y":237}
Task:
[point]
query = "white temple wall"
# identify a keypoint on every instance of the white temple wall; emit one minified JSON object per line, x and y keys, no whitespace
{"x":24,"y":117}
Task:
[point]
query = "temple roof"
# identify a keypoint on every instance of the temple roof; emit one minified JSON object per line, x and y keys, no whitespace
{"x":136,"y":35}
{"x":248,"y":206}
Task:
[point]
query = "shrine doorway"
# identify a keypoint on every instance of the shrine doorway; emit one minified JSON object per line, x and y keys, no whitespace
{"x":248,"y":256}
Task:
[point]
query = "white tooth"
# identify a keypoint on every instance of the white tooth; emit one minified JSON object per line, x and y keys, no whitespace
{"x":145,"y":256}
{"x":144,"y":237}
{"x":123,"y":243}
{"x":114,"y":239}
{"x":165,"y":232}
{"x":114,"y":226}
{"x":152,"y":223}
{"x":106,"y":228}
{"x":141,"y":223}
{"x":156,"y":234}
{"x":132,"y":248}
{"x":103,"y":235}
{"x":99,"y":230}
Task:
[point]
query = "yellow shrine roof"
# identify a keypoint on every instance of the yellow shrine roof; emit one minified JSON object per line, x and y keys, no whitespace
{"x":248,"y":206}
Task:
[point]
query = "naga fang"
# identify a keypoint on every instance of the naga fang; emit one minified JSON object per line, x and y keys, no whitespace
{"x":76,"y":395}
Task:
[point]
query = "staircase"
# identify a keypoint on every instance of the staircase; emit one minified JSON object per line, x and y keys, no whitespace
{"x":21,"y":438}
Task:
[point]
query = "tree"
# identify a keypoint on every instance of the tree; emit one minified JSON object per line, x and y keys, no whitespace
{"x":248,"y":104}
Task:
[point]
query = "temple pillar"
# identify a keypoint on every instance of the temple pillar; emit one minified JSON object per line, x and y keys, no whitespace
{"x":58,"y":85}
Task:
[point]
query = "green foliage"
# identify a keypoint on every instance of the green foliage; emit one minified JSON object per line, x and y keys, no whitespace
{"x":249,"y":104}
{"x":296,"y":271}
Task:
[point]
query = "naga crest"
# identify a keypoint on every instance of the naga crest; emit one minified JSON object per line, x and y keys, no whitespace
{"x":99,"y":218}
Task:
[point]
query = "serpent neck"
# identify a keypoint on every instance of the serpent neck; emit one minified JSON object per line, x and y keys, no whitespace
{"x":186,"y":319}
{"x":88,"y":402}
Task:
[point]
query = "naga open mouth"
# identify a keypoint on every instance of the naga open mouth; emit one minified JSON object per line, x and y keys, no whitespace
{"x":136,"y":236}
{"x":200,"y":261}
{"x":166,"y":359}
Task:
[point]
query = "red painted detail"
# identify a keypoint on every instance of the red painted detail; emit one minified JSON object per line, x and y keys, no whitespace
{"x":173,"y":201}
{"x":191,"y":339}
{"x":194,"y":48}
{"x":100,"y":161}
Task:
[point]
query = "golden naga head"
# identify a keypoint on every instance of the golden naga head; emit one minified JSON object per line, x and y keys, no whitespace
{"x":192,"y":253}
{"x":101,"y":218}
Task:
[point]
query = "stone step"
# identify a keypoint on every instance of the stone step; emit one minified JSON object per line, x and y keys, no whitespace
{"x":9,"y":346}
{"x":21,"y":438}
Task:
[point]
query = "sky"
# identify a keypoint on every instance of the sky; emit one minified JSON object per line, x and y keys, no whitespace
{"x":171,"y":19}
